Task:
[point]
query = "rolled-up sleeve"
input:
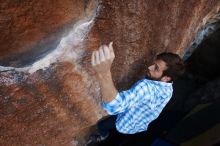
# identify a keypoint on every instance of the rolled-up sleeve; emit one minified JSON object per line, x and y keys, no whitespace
{"x":125,"y":99}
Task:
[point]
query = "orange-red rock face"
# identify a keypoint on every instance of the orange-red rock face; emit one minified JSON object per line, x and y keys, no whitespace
{"x":51,"y":107}
{"x":141,"y":29}
{"x":31,"y":26}
{"x":58,"y":105}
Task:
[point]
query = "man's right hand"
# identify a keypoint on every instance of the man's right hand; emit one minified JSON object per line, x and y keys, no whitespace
{"x":102,"y":59}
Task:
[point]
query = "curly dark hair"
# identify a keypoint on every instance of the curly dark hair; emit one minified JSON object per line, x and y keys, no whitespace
{"x":175,"y":65}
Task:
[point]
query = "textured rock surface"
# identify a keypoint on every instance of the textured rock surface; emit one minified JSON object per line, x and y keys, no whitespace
{"x":57,"y":106}
{"x":141,"y":29}
{"x":29,"y":28}
{"x":49,"y":107}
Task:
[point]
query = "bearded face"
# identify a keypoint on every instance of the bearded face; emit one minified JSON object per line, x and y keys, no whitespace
{"x":155,"y":71}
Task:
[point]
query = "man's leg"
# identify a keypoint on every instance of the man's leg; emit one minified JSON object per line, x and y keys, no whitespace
{"x":105,"y":125}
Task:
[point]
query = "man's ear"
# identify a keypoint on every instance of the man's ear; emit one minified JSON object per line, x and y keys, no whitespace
{"x":166,"y":79}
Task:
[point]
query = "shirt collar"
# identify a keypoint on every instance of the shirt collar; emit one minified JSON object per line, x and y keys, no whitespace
{"x":160,"y":82}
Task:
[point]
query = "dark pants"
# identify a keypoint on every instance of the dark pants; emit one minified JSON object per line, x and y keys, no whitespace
{"x":105,"y":125}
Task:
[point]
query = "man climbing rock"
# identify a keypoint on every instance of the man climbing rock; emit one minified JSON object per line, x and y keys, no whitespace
{"x":135,"y":108}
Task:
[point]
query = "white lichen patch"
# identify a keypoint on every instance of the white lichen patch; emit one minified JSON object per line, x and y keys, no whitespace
{"x":70,"y":48}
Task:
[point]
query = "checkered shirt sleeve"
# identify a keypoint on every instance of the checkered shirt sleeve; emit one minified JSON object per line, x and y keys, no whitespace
{"x":125,"y":99}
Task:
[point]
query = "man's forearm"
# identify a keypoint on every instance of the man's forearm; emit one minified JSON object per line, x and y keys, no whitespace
{"x":108,"y":89}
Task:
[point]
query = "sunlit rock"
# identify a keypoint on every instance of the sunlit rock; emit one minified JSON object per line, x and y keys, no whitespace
{"x":49,"y":94}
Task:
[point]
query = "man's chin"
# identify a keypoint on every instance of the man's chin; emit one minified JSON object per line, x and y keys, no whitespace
{"x":148,"y":76}
{"x":151,"y":78}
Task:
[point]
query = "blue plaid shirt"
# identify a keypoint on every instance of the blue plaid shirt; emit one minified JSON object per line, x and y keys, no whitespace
{"x":138,"y":106}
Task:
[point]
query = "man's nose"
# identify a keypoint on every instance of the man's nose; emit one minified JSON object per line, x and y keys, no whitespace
{"x":150,"y":67}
